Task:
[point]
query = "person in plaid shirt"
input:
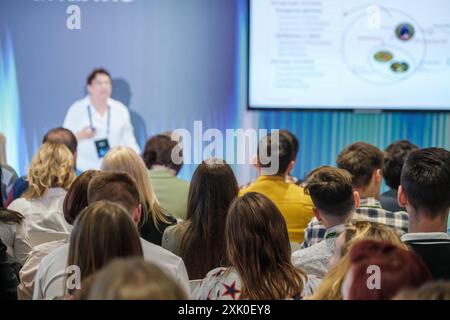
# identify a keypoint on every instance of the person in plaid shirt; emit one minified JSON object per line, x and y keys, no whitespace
{"x":364,"y":162}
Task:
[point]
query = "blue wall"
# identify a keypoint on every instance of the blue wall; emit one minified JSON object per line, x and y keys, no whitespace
{"x":174,"y":62}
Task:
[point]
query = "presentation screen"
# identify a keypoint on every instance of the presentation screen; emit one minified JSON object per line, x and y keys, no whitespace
{"x":333,"y":54}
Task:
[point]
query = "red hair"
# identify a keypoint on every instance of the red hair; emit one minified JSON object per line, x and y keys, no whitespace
{"x":399,"y":269}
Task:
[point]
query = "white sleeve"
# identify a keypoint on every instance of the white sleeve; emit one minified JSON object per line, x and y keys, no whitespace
{"x":183,"y":278}
{"x":22,"y":247}
{"x":72,"y":121}
{"x":128,"y":138}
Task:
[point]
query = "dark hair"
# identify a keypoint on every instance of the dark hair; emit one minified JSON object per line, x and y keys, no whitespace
{"x":213,"y":188}
{"x":399,"y":268}
{"x":117,"y":187}
{"x":426,"y":179}
{"x":331,"y":191}
{"x":77,"y":196}
{"x":394,"y":158}
{"x":62,"y":135}
{"x":283,"y":151}
{"x":294,"y":141}
{"x":102,"y":232}
{"x":96,"y":72}
{"x":158,"y":151}
{"x":258,"y":248}
{"x":361,"y":159}
{"x":10,"y":217}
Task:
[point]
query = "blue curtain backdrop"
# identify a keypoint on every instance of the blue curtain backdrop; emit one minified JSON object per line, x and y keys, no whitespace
{"x":173,"y":62}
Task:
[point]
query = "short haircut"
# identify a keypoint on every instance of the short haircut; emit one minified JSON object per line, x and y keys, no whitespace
{"x":361,"y":159}
{"x":117,"y":187}
{"x":294,"y":141}
{"x":283,"y":151}
{"x":64,"y":136}
{"x":96,"y":72}
{"x":426,"y":179}
{"x":331,"y":191}
{"x":394,"y":158}
{"x":158,"y":151}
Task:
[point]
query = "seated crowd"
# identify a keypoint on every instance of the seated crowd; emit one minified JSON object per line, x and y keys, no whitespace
{"x":133,"y":230}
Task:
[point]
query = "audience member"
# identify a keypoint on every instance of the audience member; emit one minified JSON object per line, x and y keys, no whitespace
{"x":14,"y":235}
{"x":425,"y":193}
{"x":8,"y":277}
{"x":394,"y":158}
{"x":379,"y":269}
{"x":154,"y":218}
{"x":50,"y":175}
{"x":102,"y":232}
{"x":8,"y":178}
{"x":438,"y":290}
{"x":259,"y":255}
{"x":363,"y":161}
{"x":57,"y":135}
{"x":120,"y":188}
{"x":356,"y":231}
{"x":74,"y":202}
{"x":131,"y":279}
{"x":295,"y":206}
{"x":334,"y":204}
{"x":200,"y":240}
{"x":172,"y":192}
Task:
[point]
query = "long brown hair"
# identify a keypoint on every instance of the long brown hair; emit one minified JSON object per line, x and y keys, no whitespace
{"x":103,"y":231}
{"x":330,"y":287}
{"x":213,"y":188}
{"x":258,"y":248}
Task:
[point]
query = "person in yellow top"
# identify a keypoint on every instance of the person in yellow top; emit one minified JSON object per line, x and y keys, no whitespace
{"x":291,"y":200}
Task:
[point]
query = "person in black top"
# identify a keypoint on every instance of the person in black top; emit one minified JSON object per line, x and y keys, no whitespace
{"x":8,"y":275}
{"x":425,"y":193}
{"x":394,"y":158}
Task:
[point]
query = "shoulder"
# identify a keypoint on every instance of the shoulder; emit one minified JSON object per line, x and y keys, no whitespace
{"x":18,"y":204}
{"x":158,"y":255}
{"x":117,"y":105}
{"x":79,"y":104}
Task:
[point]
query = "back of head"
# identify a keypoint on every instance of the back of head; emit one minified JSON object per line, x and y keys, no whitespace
{"x":133,"y":279}
{"x":213,"y":187}
{"x":395,"y":268}
{"x":294,"y":141}
{"x":361,"y":159}
{"x":426,"y":180}
{"x":394,"y":158}
{"x":258,"y":248}
{"x":158,"y":151}
{"x":77,"y":196}
{"x":102,"y":232}
{"x":64,"y":136}
{"x":437,"y":290}
{"x":117,"y":187}
{"x":51,"y":167}
{"x":356,"y":231}
{"x":275,"y":154}
{"x":331,"y":191}
{"x":124,"y":159}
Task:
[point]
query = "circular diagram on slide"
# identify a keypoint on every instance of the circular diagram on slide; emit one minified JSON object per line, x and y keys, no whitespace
{"x":382,"y":45}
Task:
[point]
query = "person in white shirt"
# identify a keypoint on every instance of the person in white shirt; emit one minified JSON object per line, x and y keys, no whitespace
{"x":14,"y":235}
{"x":99,"y":122}
{"x":334,"y":202}
{"x":50,"y":175}
{"x":119,"y":188}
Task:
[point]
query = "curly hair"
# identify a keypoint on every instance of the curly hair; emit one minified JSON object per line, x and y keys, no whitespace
{"x":52,"y":167}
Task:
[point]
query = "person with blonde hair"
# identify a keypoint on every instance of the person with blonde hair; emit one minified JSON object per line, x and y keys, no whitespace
{"x":331,"y":285}
{"x":154,"y":218}
{"x":130,"y":279}
{"x":50,"y":175}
